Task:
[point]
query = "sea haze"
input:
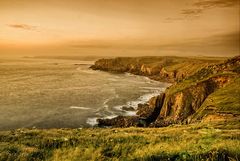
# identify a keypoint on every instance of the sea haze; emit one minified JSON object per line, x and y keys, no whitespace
{"x":53,"y":93}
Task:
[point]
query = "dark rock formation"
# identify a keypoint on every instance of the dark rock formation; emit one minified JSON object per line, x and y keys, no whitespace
{"x":151,"y":110}
{"x":120,"y":121}
{"x":127,"y":108}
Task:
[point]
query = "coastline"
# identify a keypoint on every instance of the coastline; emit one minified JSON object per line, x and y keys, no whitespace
{"x":131,"y":108}
{"x":137,"y":114}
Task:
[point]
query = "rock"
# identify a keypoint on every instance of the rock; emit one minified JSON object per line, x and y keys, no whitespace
{"x":120,"y":121}
{"x":144,"y":110}
{"x":149,"y":112}
{"x":153,"y":107}
{"x":125,"y":108}
{"x":156,"y":103}
{"x":150,"y":70}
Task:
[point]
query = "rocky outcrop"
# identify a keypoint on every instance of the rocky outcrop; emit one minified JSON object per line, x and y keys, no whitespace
{"x":120,"y":121}
{"x":149,"y":70}
{"x":155,"y":104}
{"x":147,"y":113}
{"x":124,"y":108}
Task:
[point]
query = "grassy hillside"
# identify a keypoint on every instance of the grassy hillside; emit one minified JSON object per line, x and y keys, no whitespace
{"x":192,"y":142}
{"x":223,"y":102}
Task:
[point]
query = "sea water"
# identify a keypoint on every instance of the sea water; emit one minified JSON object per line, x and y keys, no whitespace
{"x":54,"y":93}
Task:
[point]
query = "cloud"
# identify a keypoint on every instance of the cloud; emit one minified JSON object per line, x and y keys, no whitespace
{"x":200,"y":6}
{"x":222,"y":44}
{"x":22,"y":26}
{"x":192,"y":12}
{"x":206,"y":4}
{"x":170,"y":19}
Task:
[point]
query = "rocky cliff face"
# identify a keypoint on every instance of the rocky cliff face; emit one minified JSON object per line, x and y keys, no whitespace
{"x":182,"y":100}
{"x":169,"y":69}
{"x":178,"y":107}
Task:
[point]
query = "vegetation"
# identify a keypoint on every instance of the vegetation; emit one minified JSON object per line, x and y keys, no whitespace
{"x":178,"y":142}
{"x":224,"y":101}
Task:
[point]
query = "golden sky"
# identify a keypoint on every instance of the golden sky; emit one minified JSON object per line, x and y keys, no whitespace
{"x":119,"y":27}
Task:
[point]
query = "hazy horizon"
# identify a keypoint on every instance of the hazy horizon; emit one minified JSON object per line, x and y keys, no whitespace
{"x":119,"y":28}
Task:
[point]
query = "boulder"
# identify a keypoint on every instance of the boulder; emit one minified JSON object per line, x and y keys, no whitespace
{"x":119,"y":121}
{"x":125,"y":108}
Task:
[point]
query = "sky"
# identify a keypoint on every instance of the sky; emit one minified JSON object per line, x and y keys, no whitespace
{"x":119,"y":27}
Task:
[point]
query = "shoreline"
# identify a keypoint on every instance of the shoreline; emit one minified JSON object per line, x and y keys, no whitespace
{"x":96,"y":122}
{"x":143,"y":99}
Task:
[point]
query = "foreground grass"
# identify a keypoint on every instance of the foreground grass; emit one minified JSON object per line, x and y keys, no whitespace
{"x":179,"y":142}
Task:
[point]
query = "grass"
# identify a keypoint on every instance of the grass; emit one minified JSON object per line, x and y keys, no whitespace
{"x":178,"y":142}
{"x":225,"y":100}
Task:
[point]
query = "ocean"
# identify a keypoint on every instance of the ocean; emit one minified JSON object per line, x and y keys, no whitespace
{"x":56,"y":93}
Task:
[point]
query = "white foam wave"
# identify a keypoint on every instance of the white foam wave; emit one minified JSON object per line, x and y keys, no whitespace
{"x":118,"y":107}
{"x":129,"y":74}
{"x":112,"y":79}
{"x":130,"y":113}
{"x":142,"y":99}
{"x":81,"y":108}
{"x":110,"y":117}
{"x":92,"y":121}
{"x":84,"y":70}
{"x":153,"y":88}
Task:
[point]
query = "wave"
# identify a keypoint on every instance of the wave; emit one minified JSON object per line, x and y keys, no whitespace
{"x":153,"y":88}
{"x":80,"y":108}
{"x":142,"y":99}
{"x":130,"y":113}
{"x":87,"y":71}
{"x":112,"y":79}
{"x":93,"y":120}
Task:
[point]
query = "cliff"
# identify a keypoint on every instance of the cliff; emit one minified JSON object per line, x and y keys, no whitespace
{"x":170,"y":69}
{"x":186,"y":100}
